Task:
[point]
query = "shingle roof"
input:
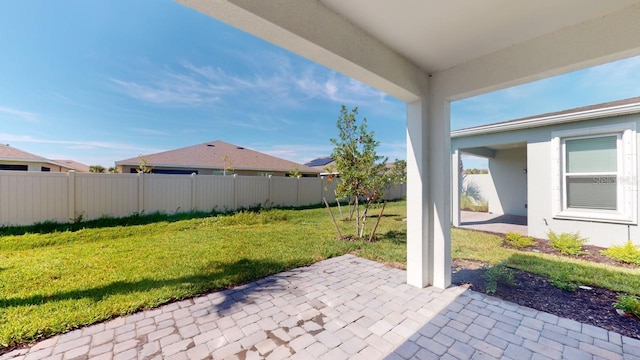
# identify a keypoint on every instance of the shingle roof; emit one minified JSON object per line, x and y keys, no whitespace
{"x":74,"y":165}
{"x":10,"y":153}
{"x":218,"y":155}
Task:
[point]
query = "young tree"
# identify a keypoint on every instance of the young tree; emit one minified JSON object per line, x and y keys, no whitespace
{"x":96,"y":169}
{"x":363,"y":173}
{"x":143,"y":165}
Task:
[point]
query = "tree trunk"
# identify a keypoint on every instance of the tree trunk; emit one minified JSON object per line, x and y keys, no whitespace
{"x":375,"y":227}
{"x":357,"y":210}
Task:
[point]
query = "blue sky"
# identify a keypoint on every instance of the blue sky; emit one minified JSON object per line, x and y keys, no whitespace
{"x":100,"y":81}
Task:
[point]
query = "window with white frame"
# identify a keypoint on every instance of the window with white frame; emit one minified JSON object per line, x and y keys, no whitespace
{"x":595,"y":173}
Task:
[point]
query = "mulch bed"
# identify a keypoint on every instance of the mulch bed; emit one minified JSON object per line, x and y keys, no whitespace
{"x":590,"y":306}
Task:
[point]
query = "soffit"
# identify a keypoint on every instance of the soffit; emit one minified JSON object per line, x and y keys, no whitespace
{"x":440,"y":34}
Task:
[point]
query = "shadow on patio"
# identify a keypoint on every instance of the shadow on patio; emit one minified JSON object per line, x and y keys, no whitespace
{"x":496,"y":223}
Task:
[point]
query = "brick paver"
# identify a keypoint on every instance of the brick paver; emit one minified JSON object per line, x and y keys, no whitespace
{"x":341,"y":308}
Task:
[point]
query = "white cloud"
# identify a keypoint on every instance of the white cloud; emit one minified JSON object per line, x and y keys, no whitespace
{"x":144,"y":131}
{"x":336,"y":88}
{"x":71,"y":144}
{"x":275,"y":83}
{"x":25,"y":115}
{"x":300,"y":153}
{"x":393,"y":150}
{"x":620,"y":77}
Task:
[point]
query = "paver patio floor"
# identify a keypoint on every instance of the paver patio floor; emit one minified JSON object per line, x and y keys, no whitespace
{"x":341,"y":308}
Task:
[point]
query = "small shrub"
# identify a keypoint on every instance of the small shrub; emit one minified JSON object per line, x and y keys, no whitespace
{"x":519,"y":241}
{"x":629,"y":304}
{"x":497,"y":274}
{"x":563,"y":282}
{"x":567,"y":243}
{"x":257,"y":217}
{"x":627,"y":253}
{"x":469,"y":204}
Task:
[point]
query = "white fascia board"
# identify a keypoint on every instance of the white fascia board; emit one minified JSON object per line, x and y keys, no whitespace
{"x":549,"y":120}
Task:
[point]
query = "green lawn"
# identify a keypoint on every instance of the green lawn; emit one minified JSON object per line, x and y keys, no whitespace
{"x":52,"y":280}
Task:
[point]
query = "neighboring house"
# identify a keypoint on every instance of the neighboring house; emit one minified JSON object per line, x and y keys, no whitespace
{"x":568,"y":171}
{"x":326,"y":165}
{"x":13,"y":159}
{"x":323,"y":164}
{"x":215,"y":158}
{"x":74,"y":165}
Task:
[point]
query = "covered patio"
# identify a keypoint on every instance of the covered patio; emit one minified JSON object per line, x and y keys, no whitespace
{"x":429,"y":54}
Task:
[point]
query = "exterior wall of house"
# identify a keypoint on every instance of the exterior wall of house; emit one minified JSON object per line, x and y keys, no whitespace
{"x":540,"y":180}
{"x":35,"y":166}
{"x":509,"y":182}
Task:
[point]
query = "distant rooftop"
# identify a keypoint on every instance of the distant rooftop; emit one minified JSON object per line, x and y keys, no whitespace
{"x":218,"y":155}
{"x":10,"y":153}
{"x":74,"y":165}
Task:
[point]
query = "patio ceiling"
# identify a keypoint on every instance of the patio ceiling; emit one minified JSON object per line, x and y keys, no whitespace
{"x":438,"y":35}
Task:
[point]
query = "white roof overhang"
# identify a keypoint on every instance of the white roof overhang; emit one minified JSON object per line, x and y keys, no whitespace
{"x":468,"y":47}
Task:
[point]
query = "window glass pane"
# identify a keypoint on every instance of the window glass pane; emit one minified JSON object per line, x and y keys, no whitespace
{"x":592,"y":192}
{"x":596,"y":154}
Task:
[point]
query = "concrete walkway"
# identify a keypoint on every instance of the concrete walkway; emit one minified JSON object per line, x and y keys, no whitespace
{"x":342,"y":308}
{"x":493,"y":222}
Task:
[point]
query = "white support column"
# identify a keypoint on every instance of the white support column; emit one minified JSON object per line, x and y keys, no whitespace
{"x":428,"y":192}
{"x":456,"y":186}
{"x":418,"y":245}
{"x":439,"y":184}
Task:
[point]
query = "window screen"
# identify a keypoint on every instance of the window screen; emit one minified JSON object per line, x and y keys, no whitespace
{"x":590,"y":155}
{"x":592,"y":192}
{"x":591,"y":173}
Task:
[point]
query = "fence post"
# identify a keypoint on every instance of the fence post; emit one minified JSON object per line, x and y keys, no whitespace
{"x":297,"y":190}
{"x":269,"y":199}
{"x":235,"y":192}
{"x":321,"y":189}
{"x":141,"y":193}
{"x":193,"y":191}
{"x":71,"y":198}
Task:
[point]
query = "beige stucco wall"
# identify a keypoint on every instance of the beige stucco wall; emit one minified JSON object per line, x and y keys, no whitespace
{"x":35,"y":166}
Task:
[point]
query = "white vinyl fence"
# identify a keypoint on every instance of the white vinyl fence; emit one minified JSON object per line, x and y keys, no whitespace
{"x":31,"y":197}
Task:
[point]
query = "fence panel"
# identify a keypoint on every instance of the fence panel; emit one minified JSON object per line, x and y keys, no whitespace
{"x":284,"y":191}
{"x":100,"y":195}
{"x":167,"y":193}
{"x":329,"y":189}
{"x":31,"y":197}
{"x":252,"y":191}
{"x":309,"y":191}
{"x":215,"y":193}
{"x":27,"y":198}
{"x":394,"y":192}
